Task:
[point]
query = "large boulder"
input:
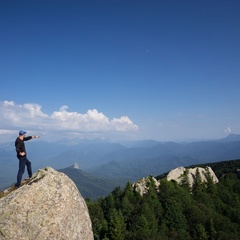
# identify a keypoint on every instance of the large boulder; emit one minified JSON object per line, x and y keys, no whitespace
{"x":49,"y":206}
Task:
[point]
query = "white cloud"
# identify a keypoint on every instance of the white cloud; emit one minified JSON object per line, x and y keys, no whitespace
{"x":6,"y":132}
{"x":123,"y":124}
{"x":30,"y":116}
{"x":8,"y":103}
{"x":34,"y":110}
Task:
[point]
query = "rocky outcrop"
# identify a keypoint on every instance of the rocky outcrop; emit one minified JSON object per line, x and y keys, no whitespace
{"x":75,"y":166}
{"x":177,"y":174}
{"x":141,"y":185}
{"x":49,"y":206}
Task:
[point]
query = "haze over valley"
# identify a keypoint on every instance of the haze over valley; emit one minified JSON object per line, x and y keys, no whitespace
{"x":117,"y":162}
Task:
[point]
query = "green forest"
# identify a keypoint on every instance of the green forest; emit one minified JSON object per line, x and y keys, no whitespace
{"x":206,"y":211}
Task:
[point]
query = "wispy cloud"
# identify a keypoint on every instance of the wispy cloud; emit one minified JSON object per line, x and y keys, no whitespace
{"x":227,"y":130}
{"x":31,"y":117}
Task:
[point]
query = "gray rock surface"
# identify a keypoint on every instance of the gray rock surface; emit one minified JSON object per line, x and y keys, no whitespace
{"x":141,"y":185}
{"x":176,"y":174}
{"x":48,"y":207}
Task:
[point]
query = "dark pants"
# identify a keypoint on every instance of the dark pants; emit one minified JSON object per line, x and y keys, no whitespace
{"x":22,"y":162}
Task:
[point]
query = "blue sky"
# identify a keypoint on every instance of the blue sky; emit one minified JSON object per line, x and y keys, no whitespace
{"x":116,"y":69}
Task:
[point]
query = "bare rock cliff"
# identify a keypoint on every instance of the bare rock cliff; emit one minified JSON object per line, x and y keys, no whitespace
{"x":48,"y":207}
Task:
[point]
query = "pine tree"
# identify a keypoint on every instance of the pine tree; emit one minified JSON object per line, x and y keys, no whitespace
{"x":185,"y":181}
{"x":211,"y":230}
{"x":211,"y":186}
{"x":198,"y":185}
{"x":116,"y":225}
{"x":201,"y":232}
{"x":99,"y":223}
{"x":148,"y":212}
{"x":174,"y":215}
{"x":143,"y":230}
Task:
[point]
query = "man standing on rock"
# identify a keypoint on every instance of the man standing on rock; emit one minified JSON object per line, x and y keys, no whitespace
{"x":22,"y":156}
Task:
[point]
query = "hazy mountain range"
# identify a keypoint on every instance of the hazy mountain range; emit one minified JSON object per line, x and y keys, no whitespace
{"x":122,"y":161}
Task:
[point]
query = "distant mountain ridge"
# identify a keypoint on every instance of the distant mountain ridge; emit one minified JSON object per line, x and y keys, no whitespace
{"x":231,"y":138}
{"x":139,"y":162}
{"x":126,"y":160}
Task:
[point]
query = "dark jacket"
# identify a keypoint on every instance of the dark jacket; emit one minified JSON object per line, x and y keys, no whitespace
{"x":20,"y":146}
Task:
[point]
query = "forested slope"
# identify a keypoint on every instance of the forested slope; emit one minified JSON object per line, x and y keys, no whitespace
{"x":208,"y":211}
